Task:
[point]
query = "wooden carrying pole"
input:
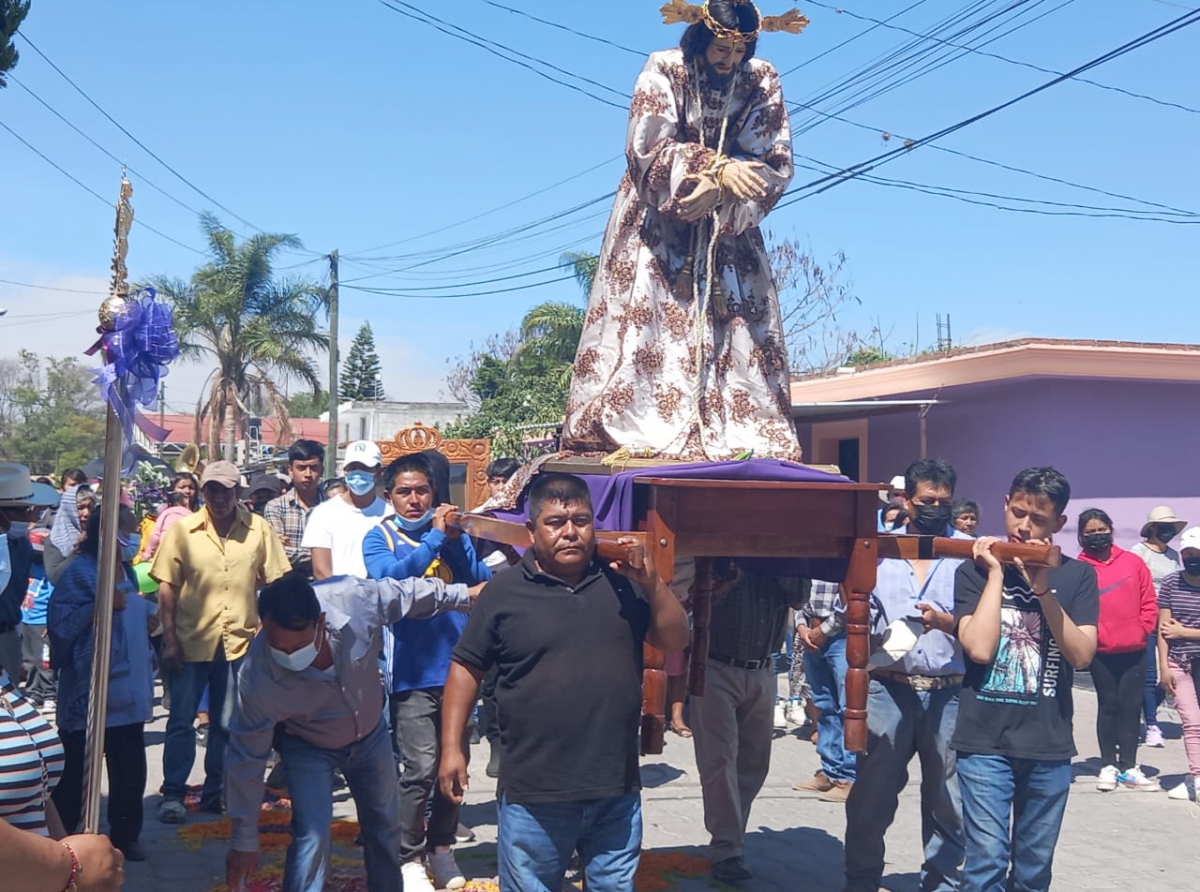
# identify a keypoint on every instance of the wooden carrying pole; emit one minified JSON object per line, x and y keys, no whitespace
{"x":507,"y":532}
{"x":915,"y":548}
{"x":110,"y":519}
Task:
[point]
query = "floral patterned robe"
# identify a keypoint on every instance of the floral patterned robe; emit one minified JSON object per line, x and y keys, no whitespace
{"x":637,"y":382}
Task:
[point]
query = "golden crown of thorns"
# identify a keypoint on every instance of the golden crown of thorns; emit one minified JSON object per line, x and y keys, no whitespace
{"x":677,"y":11}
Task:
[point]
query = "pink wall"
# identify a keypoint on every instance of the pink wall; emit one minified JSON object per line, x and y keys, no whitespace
{"x":1125,"y":446}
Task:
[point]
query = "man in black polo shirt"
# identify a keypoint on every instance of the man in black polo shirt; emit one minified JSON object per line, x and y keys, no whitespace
{"x":565,"y":634}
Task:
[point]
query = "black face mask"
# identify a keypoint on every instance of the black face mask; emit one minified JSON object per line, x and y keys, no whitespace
{"x":1097,"y":541}
{"x":1164,"y":534}
{"x":930,"y":520}
{"x":1192,"y":566}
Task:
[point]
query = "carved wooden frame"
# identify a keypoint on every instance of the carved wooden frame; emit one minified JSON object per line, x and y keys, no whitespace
{"x":475,"y":454}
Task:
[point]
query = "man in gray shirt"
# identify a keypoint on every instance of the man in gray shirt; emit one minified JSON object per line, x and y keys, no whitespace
{"x":310,"y":688}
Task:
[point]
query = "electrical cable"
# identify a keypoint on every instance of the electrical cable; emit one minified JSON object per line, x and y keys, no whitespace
{"x":51,"y":288}
{"x":827,"y":182}
{"x":396,"y":293}
{"x":568,"y":28}
{"x":93,"y":192}
{"x":1083,"y":80}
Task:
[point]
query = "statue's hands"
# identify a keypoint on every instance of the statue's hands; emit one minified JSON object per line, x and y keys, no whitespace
{"x":744,"y":179}
{"x":701,"y":201}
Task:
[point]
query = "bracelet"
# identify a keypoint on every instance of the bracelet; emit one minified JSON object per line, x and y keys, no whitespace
{"x":1049,"y":591}
{"x":70,"y":886}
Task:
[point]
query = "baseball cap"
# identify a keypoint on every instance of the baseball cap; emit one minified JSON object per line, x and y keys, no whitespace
{"x":225,"y":473}
{"x":1190,"y":539}
{"x":362,"y":452}
{"x":263,"y":481}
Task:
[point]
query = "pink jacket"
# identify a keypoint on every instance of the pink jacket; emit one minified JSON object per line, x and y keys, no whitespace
{"x":168,"y":517}
{"x":1128,"y":604}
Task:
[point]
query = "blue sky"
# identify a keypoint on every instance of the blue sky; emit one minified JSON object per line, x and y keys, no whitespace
{"x":355,"y":127}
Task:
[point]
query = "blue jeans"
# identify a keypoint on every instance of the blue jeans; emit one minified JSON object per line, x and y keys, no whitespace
{"x":826,"y":672}
{"x":370,"y":771}
{"x":1026,"y":794}
{"x":1152,"y":695}
{"x":536,"y":841}
{"x":901,"y":723}
{"x":179,"y":750}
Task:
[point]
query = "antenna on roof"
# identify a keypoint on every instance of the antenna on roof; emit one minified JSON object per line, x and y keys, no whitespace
{"x":945,"y":342}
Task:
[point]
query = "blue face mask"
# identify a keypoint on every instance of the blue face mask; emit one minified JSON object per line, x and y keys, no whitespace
{"x":360,"y":482}
{"x":412,"y":524}
{"x":129,"y":548}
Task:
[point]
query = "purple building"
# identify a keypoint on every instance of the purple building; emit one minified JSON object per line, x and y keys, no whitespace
{"x":1120,"y":420}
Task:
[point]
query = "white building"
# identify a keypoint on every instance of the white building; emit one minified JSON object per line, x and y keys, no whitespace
{"x":368,"y":420}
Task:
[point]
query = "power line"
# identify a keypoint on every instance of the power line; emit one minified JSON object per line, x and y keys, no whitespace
{"x":849,"y":40}
{"x":140,"y":144}
{"x":494,"y":48}
{"x":1083,"y":80}
{"x":831,"y":180}
{"x":891,"y":134}
{"x":92,"y":191}
{"x":51,"y":288}
{"x":568,"y":28}
{"x":398,"y":293}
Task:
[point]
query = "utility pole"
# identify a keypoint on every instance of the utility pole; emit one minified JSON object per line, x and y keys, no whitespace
{"x":162,"y":411}
{"x":332,"y":446}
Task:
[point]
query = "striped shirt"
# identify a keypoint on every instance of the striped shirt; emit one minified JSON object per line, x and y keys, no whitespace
{"x":31,"y":760}
{"x":1183,"y":600}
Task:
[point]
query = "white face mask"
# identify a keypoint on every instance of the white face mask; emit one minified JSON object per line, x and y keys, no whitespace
{"x":299,"y":660}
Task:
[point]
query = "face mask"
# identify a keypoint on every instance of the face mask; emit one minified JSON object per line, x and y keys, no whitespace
{"x":930,"y":520}
{"x":1097,"y":541}
{"x":360,"y":482}
{"x":298,"y":660}
{"x":129,"y":548}
{"x":18,"y":529}
{"x":1164,"y":534}
{"x":1192,"y":566}
{"x":411,"y":524}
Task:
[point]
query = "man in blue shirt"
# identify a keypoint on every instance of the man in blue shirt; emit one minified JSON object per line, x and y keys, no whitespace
{"x":416,"y":542}
{"x":912,"y":706}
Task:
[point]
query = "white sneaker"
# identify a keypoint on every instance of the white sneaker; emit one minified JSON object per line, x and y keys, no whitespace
{"x":780,"y":716}
{"x":1107,"y":781}
{"x":794,"y":713}
{"x":446,"y":873}
{"x":49,"y":707}
{"x":1133,"y":779}
{"x":415,"y":878}
{"x":1154,"y":736}
{"x":1185,"y":791}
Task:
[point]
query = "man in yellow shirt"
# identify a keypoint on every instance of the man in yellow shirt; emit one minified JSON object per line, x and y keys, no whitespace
{"x":209,"y":567}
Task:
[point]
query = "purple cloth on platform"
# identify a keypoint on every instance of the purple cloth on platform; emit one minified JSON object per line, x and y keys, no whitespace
{"x":612,"y":501}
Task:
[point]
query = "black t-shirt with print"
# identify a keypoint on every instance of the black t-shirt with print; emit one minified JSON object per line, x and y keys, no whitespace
{"x":1020,"y":704}
{"x":569,"y":680}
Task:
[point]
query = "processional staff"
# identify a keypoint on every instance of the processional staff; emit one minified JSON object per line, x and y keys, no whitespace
{"x":137,"y":341}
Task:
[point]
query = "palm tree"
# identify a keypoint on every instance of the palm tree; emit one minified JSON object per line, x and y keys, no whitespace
{"x":550,"y":332}
{"x":260,"y":330}
{"x":583,"y":266}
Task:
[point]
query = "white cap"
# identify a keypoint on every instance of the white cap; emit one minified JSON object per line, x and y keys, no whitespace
{"x":1190,"y":539}
{"x":362,"y":452}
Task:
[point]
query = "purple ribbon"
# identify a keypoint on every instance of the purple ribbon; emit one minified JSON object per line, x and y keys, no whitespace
{"x":137,"y":352}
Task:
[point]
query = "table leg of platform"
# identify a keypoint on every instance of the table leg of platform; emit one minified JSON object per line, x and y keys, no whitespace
{"x":860,"y":582}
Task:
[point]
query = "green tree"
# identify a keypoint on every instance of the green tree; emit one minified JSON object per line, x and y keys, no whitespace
{"x":583,"y":266}
{"x":12,"y":13}
{"x":307,"y":404}
{"x":259,"y":330}
{"x":53,"y":415}
{"x":520,"y":390}
{"x":362,"y":378}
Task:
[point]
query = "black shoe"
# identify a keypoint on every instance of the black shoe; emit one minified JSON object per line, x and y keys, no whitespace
{"x":214,"y":805}
{"x":464,"y":833}
{"x":474,"y":736}
{"x":493,"y":765}
{"x":732,"y":870}
{"x":133,"y":851}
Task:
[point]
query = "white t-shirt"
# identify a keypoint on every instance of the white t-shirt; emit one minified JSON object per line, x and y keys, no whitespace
{"x":340,"y":526}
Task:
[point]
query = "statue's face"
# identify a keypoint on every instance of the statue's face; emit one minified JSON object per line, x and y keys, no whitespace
{"x":723,"y":56}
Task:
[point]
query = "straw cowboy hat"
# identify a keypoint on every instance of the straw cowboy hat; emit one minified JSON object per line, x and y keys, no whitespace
{"x":1164,"y":515}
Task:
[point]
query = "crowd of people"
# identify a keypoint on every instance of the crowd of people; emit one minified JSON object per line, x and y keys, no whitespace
{"x":328,"y":635}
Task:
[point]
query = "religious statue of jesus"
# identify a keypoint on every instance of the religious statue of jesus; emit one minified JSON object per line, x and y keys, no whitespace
{"x":682,"y":354}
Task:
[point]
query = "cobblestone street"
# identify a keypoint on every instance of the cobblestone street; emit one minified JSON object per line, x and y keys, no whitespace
{"x":1122,"y":840}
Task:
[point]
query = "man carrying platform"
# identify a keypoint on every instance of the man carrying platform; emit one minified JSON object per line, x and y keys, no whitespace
{"x":566,"y":633}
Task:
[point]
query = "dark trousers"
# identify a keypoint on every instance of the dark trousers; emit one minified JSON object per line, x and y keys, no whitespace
{"x":1119,"y":680}
{"x":417,"y":720}
{"x":125,"y":758}
{"x":40,"y":684}
{"x":487,"y":692}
